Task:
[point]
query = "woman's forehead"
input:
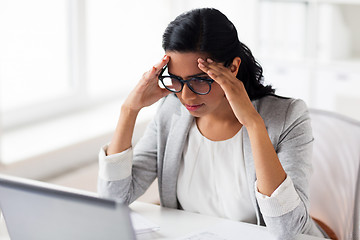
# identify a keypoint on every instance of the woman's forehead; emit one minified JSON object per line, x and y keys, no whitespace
{"x":184,"y":64}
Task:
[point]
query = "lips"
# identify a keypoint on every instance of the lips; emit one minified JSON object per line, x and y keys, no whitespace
{"x":193,"y":107}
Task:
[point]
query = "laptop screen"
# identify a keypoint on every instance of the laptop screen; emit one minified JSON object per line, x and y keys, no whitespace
{"x":37,"y":210}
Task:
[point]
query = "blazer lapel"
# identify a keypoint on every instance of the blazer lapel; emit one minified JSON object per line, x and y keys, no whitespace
{"x":250,"y":171}
{"x":180,"y":125}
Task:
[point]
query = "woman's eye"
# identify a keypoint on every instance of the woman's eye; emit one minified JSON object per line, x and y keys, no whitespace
{"x":200,"y":80}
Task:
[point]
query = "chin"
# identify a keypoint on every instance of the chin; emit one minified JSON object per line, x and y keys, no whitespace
{"x":196,"y":114}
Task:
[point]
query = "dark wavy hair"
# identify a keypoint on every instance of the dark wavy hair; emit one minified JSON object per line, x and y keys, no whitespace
{"x":209,"y":31}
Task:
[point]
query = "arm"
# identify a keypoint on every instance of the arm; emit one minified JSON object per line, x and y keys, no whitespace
{"x":125,"y":176}
{"x":293,"y":143}
{"x":272,"y":166}
{"x":269,"y":171}
{"x":124,"y":131}
{"x":119,"y":178}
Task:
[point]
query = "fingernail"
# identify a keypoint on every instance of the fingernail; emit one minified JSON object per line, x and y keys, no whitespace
{"x":165,"y":57}
{"x":209,"y":60}
{"x":201,"y":60}
{"x":201,"y":65}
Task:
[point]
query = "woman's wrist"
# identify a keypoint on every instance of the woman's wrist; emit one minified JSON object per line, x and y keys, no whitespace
{"x":254,"y":122}
{"x":129,"y":110}
{"x":124,"y":130}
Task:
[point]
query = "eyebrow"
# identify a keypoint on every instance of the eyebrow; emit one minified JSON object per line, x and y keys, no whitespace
{"x":195,"y":75}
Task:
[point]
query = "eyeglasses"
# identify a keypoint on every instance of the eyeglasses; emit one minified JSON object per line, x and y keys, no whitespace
{"x":199,"y":85}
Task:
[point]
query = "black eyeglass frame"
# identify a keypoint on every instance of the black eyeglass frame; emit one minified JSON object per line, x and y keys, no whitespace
{"x":183,"y":82}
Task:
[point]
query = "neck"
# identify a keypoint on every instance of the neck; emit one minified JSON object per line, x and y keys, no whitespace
{"x":224,"y":119}
{"x":218,"y":128}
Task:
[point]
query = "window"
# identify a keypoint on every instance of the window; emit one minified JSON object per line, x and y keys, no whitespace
{"x":124,"y":40}
{"x":35,"y":55}
{"x":62,"y":56}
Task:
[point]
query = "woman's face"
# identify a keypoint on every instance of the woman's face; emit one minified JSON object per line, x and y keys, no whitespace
{"x":185,"y":65}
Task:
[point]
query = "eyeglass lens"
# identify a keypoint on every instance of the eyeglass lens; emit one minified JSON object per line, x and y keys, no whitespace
{"x":172,"y":84}
{"x":197,"y":85}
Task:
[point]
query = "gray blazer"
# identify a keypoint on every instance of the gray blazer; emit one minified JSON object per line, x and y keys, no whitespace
{"x":159,"y":151}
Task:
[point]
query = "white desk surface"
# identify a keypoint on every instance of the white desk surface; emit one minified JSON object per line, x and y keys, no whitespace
{"x":177,"y":224}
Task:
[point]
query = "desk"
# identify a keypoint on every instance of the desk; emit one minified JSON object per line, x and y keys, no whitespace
{"x":177,"y":224}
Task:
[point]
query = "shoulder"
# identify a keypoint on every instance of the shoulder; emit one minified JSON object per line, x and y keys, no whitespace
{"x":273,"y":107}
{"x":283,"y":115}
{"x":271,"y":104}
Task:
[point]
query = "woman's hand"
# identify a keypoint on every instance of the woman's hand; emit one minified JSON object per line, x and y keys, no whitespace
{"x":147,"y":91}
{"x":234,"y":89}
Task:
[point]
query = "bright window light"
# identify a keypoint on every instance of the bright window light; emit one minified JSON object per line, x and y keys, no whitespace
{"x":34,"y":47}
{"x":124,"y":41}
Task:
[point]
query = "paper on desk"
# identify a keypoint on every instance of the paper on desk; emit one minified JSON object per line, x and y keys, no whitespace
{"x":142,"y":225}
{"x":230,"y":230}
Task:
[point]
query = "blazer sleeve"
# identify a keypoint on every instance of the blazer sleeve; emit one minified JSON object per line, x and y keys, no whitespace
{"x":294,"y":150}
{"x":126,"y":176}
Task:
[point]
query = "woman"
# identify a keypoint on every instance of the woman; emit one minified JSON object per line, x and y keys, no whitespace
{"x":222,"y":144}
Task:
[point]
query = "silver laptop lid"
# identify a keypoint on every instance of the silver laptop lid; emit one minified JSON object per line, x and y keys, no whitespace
{"x":37,"y":210}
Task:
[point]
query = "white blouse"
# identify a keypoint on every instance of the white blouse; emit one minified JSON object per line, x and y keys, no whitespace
{"x":212,"y":178}
{"x":206,"y":185}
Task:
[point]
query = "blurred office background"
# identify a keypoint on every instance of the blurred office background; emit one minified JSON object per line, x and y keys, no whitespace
{"x":66,"y":65}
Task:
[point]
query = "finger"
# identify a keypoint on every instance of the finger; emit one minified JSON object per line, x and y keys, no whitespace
{"x":211,"y":71}
{"x":203,"y":65}
{"x":213,"y":74}
{"x":211,"y":65}
{"x":215,"y":65}
{"x":150,"y":75}
{"x":215,"y":71}
{"x":159,"y":66}
{"x":153,"y":71}
{"x":156,"y":69}
{"x":219,"y":70}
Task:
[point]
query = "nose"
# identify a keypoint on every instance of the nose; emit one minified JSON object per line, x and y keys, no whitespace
{"x":187,"y":94}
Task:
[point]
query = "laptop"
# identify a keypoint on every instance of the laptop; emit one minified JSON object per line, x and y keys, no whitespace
{"x":37,"y":210}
